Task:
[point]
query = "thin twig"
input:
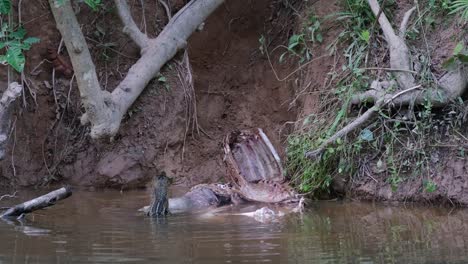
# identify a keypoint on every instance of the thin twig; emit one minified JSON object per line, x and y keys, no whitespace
{"x":389,"y":69}
{"x":8,"y":196}
{"x":13,"y":149}
{"x":142,"y":3}
{"x":69,"y":90}
{"x":114,"y":50}
{"x":293,"y":72}
{"x":166,"y":7}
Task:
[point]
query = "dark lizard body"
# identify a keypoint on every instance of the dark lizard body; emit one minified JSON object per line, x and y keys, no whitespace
{"x":160,"y":204}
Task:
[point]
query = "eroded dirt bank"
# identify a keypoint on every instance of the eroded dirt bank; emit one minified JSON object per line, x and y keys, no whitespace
{"x":234,"y":86}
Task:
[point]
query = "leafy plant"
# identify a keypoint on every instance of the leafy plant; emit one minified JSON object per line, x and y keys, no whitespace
{"x":297,"y":46}
{"x":15,"y":43}
{"x":459,"y":56}
{"x":93,"y":4}
{"x":429,"y":186}
{"x":5,"y":7}
{"x":162,"y":80}
{"x":460,"y":6}
{"x":313,"y":27}
{"x":299,"y":43}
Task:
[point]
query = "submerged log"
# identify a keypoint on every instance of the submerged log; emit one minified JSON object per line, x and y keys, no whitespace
{"x":38,"y":203}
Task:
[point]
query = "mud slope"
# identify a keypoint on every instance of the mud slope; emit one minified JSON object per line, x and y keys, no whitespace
{"x":234,"y":84}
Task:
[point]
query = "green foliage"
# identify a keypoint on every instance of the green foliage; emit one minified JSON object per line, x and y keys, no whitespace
{"x":5,"y":7}
{"x":297,"y":46}
{"x":15,"y":44}
{"x":93,"y":4}
{"x":300,"y":44}
{"x":460,"y":55}
{"x":162,"y":80}
{"x":310,"y":177}
{"x":429,"y":186}
{"x":460,"y":6}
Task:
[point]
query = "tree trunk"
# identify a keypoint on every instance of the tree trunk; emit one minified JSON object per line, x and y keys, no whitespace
{"x":105,"y":110}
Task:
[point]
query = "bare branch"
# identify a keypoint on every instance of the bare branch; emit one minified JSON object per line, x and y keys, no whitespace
{"x":166,"y":7}
{"x":399,"y":52}
{"x":130,"y":28}
{"x":404,"y":22}
{"x":358,"y":122}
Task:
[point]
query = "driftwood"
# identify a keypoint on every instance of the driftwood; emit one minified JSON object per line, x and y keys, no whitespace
{"x":38,"y":203}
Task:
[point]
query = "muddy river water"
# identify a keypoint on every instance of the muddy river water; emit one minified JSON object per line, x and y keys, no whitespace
{"x":104,"y":227}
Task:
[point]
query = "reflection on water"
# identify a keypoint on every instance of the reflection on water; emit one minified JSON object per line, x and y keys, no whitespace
{"x":105,"y":227}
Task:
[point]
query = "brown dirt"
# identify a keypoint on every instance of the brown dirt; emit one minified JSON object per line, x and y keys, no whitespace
{"x":234,"y":85}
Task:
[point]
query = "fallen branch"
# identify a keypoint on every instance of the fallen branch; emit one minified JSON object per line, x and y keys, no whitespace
{"x":359,"y":122}
{"x":38,"y":203}
{"x":105,"y":110}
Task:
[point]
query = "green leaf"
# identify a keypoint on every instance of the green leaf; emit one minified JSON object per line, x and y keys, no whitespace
{"x":94,"y":4}
{"x":15,"y":58}
{"x":19,"y":34}
{"x":319,"y":37}
{"x":162,"y":79}
{"x":365,"y":35}
{"x":5,"y":7}
{"x":31,"y":40}
{"x":294,"y":41}
{"x":3,"y":30}
{"x":458,"y":48}
{"x":449,"y":63}
{"x":463,"y":58}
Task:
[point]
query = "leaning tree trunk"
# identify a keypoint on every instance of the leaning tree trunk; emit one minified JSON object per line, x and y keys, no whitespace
{"x":105,"y":110}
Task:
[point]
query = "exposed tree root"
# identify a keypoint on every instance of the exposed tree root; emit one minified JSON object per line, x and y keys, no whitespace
{"x":452,"y":85}
{"x":105,"y":110}
{"x":11,"y":93}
